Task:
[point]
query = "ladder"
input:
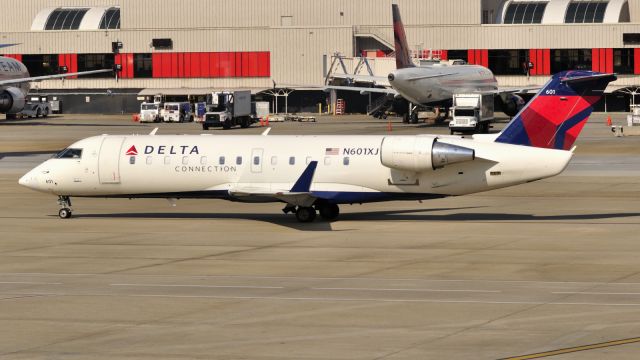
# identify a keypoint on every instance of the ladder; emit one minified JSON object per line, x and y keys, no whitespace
{"x":340,"y":107}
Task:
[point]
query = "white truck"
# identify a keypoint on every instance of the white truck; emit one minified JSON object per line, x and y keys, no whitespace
{"x":150,"y":112}
{"x":176,"y":112}
{"x":471,"y":113}
{"x":227,"y":109}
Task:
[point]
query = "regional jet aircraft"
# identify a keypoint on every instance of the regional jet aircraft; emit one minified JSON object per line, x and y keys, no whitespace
{"x":311,"y":174}
{"x":434,"y":85}
{"x":14,"y":84}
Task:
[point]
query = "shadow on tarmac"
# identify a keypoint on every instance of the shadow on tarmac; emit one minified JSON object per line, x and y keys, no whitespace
{"x":391,"y":215}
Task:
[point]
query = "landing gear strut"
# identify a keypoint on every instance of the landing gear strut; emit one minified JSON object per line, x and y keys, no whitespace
{"x":65,"y":207}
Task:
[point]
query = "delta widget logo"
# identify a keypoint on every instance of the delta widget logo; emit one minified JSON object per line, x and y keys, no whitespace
{"x":132,"y":150}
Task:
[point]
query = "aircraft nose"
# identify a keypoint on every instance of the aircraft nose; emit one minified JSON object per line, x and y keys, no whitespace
{"x":29,"y":180}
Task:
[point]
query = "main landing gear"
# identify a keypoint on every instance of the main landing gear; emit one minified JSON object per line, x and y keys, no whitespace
{"x":307,"y":214}
{"x":65,"y":207}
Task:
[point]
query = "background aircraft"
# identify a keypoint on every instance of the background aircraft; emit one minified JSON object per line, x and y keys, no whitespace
{"x":318,"y":173}
{"x":14,"y":83}
{"x":433,"y":86}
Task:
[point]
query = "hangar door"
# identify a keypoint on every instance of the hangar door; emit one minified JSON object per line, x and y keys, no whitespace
{"x":109,"y":159}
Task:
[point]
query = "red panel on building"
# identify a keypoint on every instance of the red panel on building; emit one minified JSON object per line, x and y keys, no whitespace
{"x":471,"y":56}
{"x":636,"y":59}
{"x":187,"y":65}
{"x":609,"y":57}
{"x":595,"y":59}
{"x":238,"y":69}
{"x":245,"y":64}
{"x":214,"y":64}
{"x":253,"y":64}
{"x":166,"y":65}
{"x":533,"y":57}
{"x":226,"y":64}
{"x":195,"y":65}
{"x":444,"y":55}
{"x":264,"y":64}
{"x":205,"y":65}
{"x":546,"y":61}
{"x":174,"y":65}
{"x":156,"y":65}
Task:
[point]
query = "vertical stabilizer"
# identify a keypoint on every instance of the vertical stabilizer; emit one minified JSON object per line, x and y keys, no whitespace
{"x":403,"y":60}
{"x":554,"y":118}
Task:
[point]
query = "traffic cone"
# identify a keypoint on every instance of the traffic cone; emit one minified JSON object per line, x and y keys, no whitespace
{"x":261,"y":122}
{"x":267,"y":121}
{"x":609,"y":122}
{"x":389,"y":127}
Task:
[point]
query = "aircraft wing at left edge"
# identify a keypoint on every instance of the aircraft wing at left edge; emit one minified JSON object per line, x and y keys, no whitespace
{"x":49,"y":77}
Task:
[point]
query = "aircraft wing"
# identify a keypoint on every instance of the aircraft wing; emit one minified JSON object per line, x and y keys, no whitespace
{"x":299,"y":195}
{"x":381,"y":80}
{"x":364,"y":90}
{"x":517,"y":90}
{"x":49,"y":77}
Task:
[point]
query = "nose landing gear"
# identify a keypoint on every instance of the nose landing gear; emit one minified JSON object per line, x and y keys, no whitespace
{"x":65,"y":204}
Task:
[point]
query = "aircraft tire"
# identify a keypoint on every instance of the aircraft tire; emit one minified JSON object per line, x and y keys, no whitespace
{"x":329,"y":212}
{"x":226,"y":125}
{"x":414,"y":118}
{"x":205,"y":126}
{"x":38,"y":113}
{"x":45,"y":113}
{"x":64,"y":213}
{"x":305,"y":214}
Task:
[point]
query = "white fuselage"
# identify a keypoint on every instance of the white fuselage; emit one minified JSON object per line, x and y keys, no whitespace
{"x":437,"y":83}
{"x":13,"y":69}
{"x":349,"y":168}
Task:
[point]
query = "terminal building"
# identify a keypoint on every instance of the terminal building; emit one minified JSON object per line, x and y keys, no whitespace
{"x":191,"y":47}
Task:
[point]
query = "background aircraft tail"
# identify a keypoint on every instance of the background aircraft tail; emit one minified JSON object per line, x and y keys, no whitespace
{"x":403,"y":60}
{"x":554,"y":118}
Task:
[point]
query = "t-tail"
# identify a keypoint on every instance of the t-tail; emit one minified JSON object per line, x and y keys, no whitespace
{"x":403,"y":60}
{"x":554,"y":118}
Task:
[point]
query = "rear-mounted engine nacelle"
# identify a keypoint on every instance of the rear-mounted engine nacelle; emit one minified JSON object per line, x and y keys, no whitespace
{"x":11,"y":100}
{"x":421,"y":153}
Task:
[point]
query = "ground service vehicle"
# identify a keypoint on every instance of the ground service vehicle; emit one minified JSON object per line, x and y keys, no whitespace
{"x":150,"y":112}
{"x":228,"y":109}
{"x":177,"y":112}
{"x":36,"y":107}
{"x":471,"y":113}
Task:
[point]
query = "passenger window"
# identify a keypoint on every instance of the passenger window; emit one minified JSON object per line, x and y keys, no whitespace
{"x":345,"y":161}
{"x":256,"y":160}
{"x":132,"y":160}
{"x":274,"y":160}
{"x":292,"y":160}
{"x":327,"y":160}
{"x":203,"y":160}
{"x":167,"y":160}
{"x":185,"y":160}
{"x":69,"y":154}
{"x":239,"y":160}
{"x":221,"y":160}
{"x":149,"y":160}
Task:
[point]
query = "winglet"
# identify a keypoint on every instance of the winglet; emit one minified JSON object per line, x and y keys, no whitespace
{"x":304,"y":182}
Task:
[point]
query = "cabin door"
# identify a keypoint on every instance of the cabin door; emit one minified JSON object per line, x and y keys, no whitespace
{"x":109,"y":159}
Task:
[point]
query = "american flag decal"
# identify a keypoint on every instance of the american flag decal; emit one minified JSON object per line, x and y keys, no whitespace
{"x":332,"y":151}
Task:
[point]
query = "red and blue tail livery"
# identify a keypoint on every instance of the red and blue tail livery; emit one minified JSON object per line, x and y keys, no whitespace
{"x":554,"y":118}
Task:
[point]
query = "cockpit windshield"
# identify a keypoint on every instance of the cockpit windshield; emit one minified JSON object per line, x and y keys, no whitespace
{"x":69,"y":153}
